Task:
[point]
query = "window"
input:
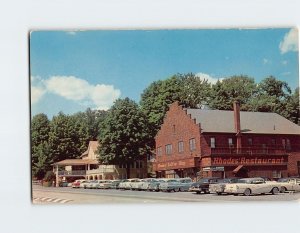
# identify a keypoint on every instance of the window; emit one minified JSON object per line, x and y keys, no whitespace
{"x":192,"y":144}
{"x":212,"y":142}
{"x":250,"y":143}
{"x":276,"y":174}
{"x":273,"y":141}
{"x":159,"y":151}
{"x":169,"y":149}
{"x":230,"y":142}
{"x":283,"y":143}
{"x":174,"y":128}
{"x":180,"y":146}
{"x":288,"y":144}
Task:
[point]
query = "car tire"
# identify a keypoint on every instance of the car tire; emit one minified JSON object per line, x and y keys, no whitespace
{"x":283,"y":189}
{"x":198,"y":192}
{"x":247,"y":192}
{"x":275,"y":190}
{"x":219,"y":193}
{"x":176,"y":190}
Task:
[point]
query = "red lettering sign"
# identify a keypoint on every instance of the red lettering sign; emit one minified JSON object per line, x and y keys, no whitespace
{"x":247,"y":161}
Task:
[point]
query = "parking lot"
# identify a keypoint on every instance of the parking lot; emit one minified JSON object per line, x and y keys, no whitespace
{"x":81,"y":195}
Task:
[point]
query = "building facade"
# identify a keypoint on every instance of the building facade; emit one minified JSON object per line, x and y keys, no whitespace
{"x":88,"y":167}
{"x":216,"y":143}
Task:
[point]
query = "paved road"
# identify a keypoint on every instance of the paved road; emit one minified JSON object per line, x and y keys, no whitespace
{"x":51,"y":195}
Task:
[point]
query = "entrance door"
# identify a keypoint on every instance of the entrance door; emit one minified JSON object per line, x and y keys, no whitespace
{"x":243,"y":173}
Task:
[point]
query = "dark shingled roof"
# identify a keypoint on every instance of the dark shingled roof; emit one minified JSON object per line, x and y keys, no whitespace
{"x":221,"y":121}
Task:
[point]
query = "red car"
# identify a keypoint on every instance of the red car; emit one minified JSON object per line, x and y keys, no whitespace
{"x":76,"y":183}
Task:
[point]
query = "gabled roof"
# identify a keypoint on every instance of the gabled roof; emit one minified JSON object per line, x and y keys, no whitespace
{"x":93,"y":145}
{"x":221,"y":121}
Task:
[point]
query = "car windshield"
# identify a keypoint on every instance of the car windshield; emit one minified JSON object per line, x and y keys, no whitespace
{"x":203,"y":180}
{"x":283,"y":180}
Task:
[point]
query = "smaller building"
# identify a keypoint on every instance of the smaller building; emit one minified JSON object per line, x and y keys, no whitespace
{"x":88,"y":167}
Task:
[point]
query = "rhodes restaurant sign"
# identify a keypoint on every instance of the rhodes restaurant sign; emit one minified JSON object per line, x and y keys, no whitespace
{"x":248,"y":161}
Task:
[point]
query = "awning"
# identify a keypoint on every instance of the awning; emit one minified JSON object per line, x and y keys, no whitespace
{"x":72,"y":162}
{"x":237,"y":168}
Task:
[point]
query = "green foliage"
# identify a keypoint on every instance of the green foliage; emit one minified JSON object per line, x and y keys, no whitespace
{"x":124,"y":137}
{"x":67,"y":137}
{"x":188,"y":89}
{"x":44,"y":160}
{"x":236,"y":88}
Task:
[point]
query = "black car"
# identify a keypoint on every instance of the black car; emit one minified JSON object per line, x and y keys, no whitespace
{"x":202,"y":185}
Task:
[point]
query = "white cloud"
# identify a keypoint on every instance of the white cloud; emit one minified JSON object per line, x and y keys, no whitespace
{"x":36,"y":94}
{"x":69,"y":87}
{"x":284,"y":62}
{"x":37,"y":89}
{"x":207,"y":77}
{"x":290,"y":42}
{"x":72,"y":88}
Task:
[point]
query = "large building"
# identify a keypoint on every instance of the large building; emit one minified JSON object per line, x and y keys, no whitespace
{"x":205,"y":143}
{"x":88,"y":167}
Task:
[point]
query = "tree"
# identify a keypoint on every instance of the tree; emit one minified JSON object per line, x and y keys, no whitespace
{"x":195,"y":92}
{"x":40,"y":127}
{"x":40,"y":150}
{"x":124,"y":136}
{"x":44,"y":160}
{"x":188,"y":89}
{"x":274,"y":95}
{"x":156,"y":98}
{"x":67,"y":137}
{"x":236,"y":88}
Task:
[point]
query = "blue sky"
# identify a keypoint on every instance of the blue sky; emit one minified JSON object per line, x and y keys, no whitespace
{"x":73,"y":70}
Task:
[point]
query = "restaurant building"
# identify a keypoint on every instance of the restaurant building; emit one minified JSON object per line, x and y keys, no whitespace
{"x":217,"y":143}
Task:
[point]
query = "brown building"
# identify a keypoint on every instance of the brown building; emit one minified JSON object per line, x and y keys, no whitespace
{"x":196,"y":142}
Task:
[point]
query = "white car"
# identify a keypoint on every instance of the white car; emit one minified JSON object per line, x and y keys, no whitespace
{"x":248,"y":186}
{"x":93,"y":184}
{"x":128,"y":184}
{"x":84,"y":183}
{"x":106,"y":184}
{"x":289,"y":184}
{"x":145,"y":184}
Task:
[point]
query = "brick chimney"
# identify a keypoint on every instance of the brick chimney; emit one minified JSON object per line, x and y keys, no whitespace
{"x":237,"y":124}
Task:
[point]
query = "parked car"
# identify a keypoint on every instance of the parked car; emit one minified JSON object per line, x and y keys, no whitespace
{"x":184,"y":184}
{"x":84,"y":183}
{"x":127,"y":184}
{"x":93,"y":184}
{"x":76,"y":183}
{"x":122,"y":184}
{"x":115,"y":184}
{"x":145,"y":184}
{"x":289,"y":184}
{"x":202,"y":185}
{"x":248,"y":186}
{"x":63,"y":184}
{"x":154,"y":184}
{"x":219,"y":187}
{"x":136,"y":185}
{"x":169,"y":185}
{"x":105,"y":184}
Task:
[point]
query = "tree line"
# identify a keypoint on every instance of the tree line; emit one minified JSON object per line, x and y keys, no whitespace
{"x":126,"y":131}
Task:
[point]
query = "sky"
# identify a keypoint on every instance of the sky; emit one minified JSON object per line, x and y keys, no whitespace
{"x":73,"y":70}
